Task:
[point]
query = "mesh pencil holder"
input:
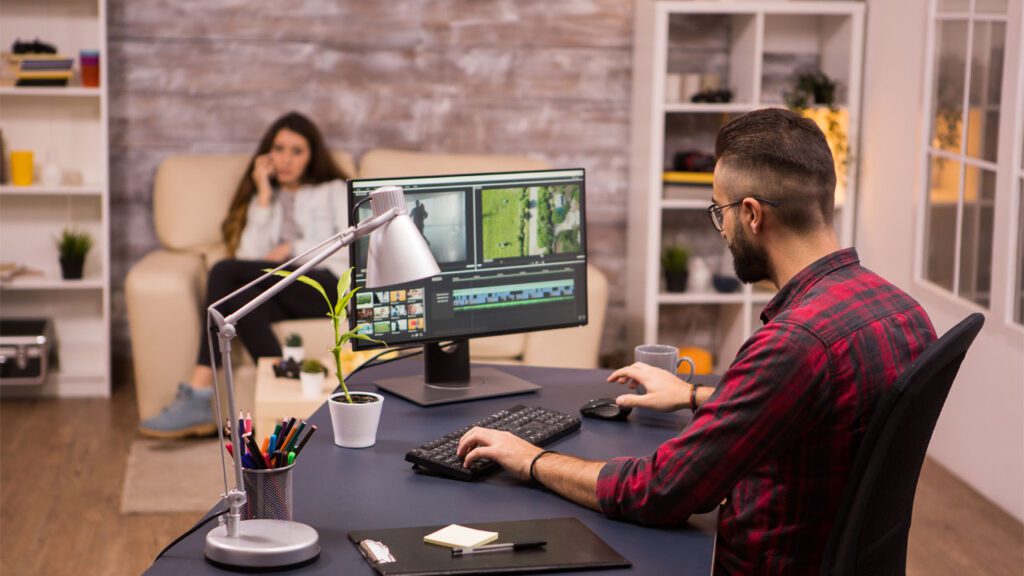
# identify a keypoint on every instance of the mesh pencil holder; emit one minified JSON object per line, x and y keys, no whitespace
{"x":268,"y":493}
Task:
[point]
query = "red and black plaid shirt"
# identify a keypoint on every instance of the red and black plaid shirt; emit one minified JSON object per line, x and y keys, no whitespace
{"x":779,"y":435}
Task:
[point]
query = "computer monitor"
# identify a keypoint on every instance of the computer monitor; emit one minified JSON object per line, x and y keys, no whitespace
{"x":512,"y":249}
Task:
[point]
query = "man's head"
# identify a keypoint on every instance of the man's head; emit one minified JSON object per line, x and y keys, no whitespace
{"x":776,"y":166}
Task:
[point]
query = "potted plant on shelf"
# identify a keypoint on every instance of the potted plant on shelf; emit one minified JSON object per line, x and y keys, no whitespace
{"x":72,"y":248}
{"x":814,"y":95}
{"x":675,"y":263}
{"x":293,"y":348}
{"x":312,"y":374}
{"x":354,"y":415}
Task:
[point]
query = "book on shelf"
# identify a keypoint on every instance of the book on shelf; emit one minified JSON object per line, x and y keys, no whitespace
{"x":36,"y":69}
{"x":692,"y":178}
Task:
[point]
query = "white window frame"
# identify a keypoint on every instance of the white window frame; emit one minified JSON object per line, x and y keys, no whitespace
{"x":1009,"y":173}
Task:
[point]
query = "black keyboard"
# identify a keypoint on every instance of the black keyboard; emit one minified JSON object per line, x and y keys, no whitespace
{"x":540,"y":426}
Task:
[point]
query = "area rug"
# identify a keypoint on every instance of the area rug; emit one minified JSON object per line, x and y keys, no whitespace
{"x":172,"y":476}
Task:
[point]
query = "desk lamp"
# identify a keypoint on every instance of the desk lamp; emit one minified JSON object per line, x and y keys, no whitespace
{"x":397,"y":253}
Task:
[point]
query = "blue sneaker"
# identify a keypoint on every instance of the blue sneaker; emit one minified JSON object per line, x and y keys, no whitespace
{"x":190,"y":414}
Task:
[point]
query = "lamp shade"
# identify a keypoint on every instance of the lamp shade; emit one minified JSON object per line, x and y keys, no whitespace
{"x":398,"y":252}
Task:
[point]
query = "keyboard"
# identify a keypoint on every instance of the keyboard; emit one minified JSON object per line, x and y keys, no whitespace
{"x":540,"y":426}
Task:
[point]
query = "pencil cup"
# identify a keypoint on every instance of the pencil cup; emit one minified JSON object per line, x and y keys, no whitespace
{"x":268,"y":493}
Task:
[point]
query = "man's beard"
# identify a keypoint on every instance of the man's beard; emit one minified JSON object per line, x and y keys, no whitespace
{"x":749,"y":260}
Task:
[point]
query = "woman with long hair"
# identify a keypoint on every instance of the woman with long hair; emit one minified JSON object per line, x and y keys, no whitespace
{"x":290,"y":198}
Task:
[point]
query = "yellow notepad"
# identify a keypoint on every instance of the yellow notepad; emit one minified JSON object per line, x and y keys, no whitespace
{"x":455,"y":536}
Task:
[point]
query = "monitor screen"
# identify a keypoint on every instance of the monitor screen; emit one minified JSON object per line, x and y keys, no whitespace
{"x":511,"y":248}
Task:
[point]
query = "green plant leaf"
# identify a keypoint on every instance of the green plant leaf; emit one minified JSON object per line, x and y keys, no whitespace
{"x":305,"y":280}
{"x":344,"y":282}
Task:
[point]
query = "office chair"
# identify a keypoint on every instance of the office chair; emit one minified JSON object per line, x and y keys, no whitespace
{"x":871,"y":530}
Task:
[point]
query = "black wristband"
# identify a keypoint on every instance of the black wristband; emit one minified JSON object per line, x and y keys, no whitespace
{"x":693,"y":397}
{"x":534,"y":463}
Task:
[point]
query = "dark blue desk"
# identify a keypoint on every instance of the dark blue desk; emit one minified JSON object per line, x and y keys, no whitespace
{"x":338,"y":490}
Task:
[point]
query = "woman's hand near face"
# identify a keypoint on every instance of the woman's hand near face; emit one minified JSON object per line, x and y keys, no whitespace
{"x":262,"y":170}
{"x":279,"y":253}
{"x":665,"y":392}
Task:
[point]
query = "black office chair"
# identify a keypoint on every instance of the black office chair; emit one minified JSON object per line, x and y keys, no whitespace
{"x":870,"y":535}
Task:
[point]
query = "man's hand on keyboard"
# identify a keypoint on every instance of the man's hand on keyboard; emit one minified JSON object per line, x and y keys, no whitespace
{"x":513,"y":453}
{"x":665,"y":392}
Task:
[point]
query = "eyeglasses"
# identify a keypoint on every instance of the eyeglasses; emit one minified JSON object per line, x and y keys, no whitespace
{"x":715,"y":211}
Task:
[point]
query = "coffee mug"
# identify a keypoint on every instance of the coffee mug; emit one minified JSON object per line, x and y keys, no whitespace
{"x":662,"y":356}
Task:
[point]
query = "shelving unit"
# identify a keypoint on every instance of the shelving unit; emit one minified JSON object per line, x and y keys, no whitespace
{"x":68,"y":126}
{"x":755,"y":49}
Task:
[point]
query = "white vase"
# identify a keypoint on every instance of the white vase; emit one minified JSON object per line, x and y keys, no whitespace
{"x":700,"y":275}
{"x":297,"y":353}
{"x":355,"y":425}
{"x":312,"y":383}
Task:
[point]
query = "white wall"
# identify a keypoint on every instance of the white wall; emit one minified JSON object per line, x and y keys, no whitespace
{"x":980,"y":435}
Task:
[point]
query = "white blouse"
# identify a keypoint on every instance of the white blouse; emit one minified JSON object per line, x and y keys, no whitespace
{"x":321,"y":211}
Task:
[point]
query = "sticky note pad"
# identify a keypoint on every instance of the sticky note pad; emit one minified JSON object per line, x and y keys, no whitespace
{"x":455,"y":536}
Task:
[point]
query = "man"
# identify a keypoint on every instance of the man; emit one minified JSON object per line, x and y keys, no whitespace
{"x":778,"y":436}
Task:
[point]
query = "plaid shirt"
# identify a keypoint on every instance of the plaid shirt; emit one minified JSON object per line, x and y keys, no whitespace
{"x":779,"y":435}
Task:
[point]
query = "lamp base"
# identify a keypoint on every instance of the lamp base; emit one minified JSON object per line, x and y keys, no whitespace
{"x":263,"y":544}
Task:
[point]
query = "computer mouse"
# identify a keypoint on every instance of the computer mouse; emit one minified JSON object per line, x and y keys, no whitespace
{"x":605,"y":409}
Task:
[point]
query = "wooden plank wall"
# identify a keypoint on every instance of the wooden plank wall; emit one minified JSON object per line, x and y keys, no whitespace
{"x":534,"y":77}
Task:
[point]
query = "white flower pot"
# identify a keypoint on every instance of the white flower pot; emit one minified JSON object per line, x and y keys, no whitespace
{"x":312,"y":383}
{"x":355,"y":425}
{"x":297,"y":353}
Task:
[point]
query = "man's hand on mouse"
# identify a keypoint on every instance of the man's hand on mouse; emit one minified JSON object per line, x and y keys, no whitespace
{"x":665,"y":392}
{"x":512,"y":452}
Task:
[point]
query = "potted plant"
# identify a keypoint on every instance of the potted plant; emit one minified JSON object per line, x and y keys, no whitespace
{"x":293,"y":348}
{"x":72,"y":247}
{"x":675,"y":263}
{"x":311,"y":374}
{"x":354,"y":415}
{"x":814,"y":95}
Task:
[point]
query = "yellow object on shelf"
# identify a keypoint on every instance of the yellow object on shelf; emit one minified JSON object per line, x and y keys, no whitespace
{"x":21,"y":168}
{"x":688,"y":177}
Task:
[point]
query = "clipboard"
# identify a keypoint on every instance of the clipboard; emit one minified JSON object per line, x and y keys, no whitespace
{"x":571,"y":545}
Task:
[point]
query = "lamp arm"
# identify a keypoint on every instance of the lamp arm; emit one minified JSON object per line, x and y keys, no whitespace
{"x":334,"y":243}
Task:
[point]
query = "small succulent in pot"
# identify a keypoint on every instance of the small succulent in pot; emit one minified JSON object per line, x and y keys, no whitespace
{"x":72,"y":248}
{"x":313,"y":366}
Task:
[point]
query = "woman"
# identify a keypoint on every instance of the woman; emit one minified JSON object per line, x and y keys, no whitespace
{"x":291,"y":198}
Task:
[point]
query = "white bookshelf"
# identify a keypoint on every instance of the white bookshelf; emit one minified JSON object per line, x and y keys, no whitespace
{"x":755,"y":35}
{"x":70,"y":126}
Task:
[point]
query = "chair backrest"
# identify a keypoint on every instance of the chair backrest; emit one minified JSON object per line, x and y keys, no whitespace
{"x":192,"y":194}
{"x":871,"y":530}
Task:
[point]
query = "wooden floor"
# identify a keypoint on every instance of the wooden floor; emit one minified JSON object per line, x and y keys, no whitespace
{"x":62,"y":464}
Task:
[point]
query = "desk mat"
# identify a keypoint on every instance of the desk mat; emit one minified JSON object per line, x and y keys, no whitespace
{"x":571,"y":545}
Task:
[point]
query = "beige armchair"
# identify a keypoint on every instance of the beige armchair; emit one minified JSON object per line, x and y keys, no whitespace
{"x":165,"y":290}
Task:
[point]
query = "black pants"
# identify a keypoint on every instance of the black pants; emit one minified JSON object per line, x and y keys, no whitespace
{"x":296,"y":301}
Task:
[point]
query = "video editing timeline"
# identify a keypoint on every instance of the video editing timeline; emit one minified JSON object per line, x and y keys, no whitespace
{"x":512,"y":253}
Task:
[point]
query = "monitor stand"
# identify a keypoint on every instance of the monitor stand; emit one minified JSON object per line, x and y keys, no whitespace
{"x":446,"y":379}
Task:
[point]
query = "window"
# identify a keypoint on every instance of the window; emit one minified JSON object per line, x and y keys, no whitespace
{"x":966,"y":114}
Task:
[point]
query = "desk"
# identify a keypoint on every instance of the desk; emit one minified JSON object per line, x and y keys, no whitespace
{"x":338,"y":490}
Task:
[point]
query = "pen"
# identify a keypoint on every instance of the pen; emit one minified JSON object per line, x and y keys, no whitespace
{"x":295,"y":437}
{"x":500,"y":547}
{"x":312,"y":428}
